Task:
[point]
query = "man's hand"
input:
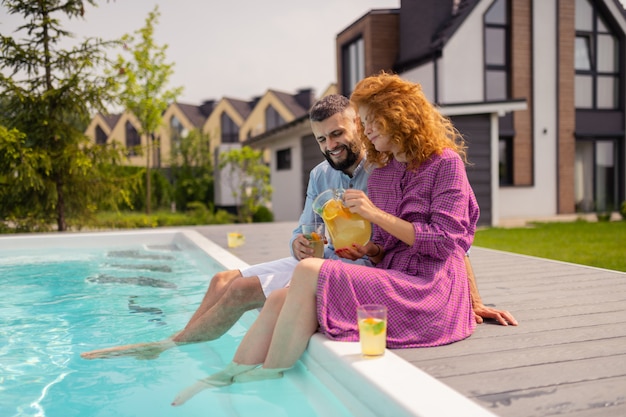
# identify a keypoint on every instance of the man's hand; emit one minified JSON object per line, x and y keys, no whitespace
{"x":302,"y":248}
{"x":503,"y":317}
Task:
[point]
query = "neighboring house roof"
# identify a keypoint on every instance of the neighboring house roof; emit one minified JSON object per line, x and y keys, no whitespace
{"x":242,"y":107}
{"x":111,"y":119}
{"x":289,"y":100}
{"x":195,"y":114}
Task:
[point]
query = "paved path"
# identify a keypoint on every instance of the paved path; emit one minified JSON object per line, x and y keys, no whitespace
{"x":566,"y":358}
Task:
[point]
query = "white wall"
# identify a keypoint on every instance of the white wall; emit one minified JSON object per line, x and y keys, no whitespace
{"x":461,"y":77}
{"x":541,"y":198}
{"x":425,"y":76}
{"x":287,"y":201}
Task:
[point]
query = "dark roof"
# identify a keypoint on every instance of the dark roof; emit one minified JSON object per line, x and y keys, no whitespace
{"x":195,"y":114}
{"x":290,"y":101}
{"x":244,"y":108}
{"x":426,"y":26}
{"x":111,"y":119}
{"x":449,"y":26}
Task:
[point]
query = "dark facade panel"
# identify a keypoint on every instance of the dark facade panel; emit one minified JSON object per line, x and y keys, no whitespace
{"x":599,"y":123}
{"x":476,"y":131}
{"x":311,"y":156}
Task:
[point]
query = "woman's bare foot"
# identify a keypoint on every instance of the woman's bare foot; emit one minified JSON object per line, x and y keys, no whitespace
{"x":150,"y":350}
{"x":219,"y":379}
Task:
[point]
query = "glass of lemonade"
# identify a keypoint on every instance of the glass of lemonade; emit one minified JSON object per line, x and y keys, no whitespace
{"x":344,"y":227}
{"x":372,"y":320}
{"x":315,"y":234}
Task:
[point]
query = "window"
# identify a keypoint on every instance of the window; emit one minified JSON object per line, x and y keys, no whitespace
{"x":272,"y":118}
{"x":505,"y":160}
{"x":176,"y":129}
{"x":230,"y":130}
{"x":596,"y":58}
{"x":353,"y":65}
{"x":497,"y":61}
{"x":132,"y":140}
{"x":101,"y":137}
{"x":283,"y":159}
{"x":596,"y":175}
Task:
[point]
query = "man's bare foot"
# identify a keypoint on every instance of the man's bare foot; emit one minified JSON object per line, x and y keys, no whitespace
{"x":150,"y":350}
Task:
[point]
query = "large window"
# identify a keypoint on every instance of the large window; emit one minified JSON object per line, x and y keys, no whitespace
{"x":176,"y":130}
{"x":353,"y":65}
{"x":596,"y":59}
{"x":283,"y":159}
{"x":230,"y":130}
{"x":132,"y":139}
{"x":101,"y":137}
{"x":497,"y":51}
{"x":272,"y":118}
{"x":596,"y":175}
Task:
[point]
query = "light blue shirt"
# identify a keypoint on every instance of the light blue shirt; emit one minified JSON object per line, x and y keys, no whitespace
{"x":322,"y":178}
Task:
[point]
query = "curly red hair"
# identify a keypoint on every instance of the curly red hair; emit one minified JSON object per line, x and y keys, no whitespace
{"x":401,"y":110}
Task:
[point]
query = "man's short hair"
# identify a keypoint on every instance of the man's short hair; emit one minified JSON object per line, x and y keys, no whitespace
{"x":328,"y":106}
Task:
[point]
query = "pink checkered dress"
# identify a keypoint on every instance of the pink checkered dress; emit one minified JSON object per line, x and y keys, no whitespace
{"x":424,"y":286}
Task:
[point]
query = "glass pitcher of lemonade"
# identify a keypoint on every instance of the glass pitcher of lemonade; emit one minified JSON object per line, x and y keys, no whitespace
{"x":344,"y":227}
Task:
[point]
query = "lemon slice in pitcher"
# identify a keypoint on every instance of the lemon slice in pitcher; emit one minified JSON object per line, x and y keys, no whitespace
{"x":332,"y":209}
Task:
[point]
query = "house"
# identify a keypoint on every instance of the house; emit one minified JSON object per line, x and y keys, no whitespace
{"x":226,"y":124}
{"x":537,"y":87}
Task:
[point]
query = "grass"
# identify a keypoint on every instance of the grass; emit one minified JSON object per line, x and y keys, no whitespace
{"x":599,"y":244}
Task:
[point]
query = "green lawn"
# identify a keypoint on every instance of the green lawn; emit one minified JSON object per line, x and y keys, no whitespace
{"x":601,"y":244}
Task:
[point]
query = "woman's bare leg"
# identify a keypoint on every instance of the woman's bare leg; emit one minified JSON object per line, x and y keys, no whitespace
{"x":297,"y":321}
{"x":255,"y":344}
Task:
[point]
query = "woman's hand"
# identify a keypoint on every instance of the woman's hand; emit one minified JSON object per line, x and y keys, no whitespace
{"x":356,"y":251}
{"x":353,"y":252}
{"x":358,"y":202}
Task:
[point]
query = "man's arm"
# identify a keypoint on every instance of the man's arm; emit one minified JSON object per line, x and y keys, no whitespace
{"x":481,"y":311}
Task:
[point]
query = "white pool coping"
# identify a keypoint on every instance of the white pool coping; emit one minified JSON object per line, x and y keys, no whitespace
{"x":385,"y":386}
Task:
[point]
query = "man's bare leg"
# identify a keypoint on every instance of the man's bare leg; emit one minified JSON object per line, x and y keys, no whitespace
{"x":229,"y":296}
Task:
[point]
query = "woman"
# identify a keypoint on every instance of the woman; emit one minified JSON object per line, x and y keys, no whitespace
{"x":424,"y":215}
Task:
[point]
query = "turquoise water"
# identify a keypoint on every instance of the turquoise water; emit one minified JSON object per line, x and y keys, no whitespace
{"x":56,"y":305}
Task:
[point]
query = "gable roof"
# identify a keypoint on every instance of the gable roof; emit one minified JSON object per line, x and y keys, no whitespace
{"x":111,"y":119}
{"x":244,"y":108}
{"x":290,"y":101}
{"x":458,"y":14}
{"x":195,"y":114}
{"x":426,"y":26}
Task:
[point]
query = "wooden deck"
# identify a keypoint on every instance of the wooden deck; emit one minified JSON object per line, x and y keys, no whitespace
{"x":567,"y":357}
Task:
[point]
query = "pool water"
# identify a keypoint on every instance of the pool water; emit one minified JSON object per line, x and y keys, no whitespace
{"x":56,"y":305}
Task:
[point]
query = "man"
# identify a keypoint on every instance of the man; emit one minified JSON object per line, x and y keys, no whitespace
{"x":232,"y":293}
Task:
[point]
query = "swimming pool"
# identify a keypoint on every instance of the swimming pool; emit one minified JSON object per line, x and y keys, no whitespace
{"x":46,"y":377}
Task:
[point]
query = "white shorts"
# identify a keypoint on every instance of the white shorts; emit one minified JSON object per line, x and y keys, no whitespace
{"x":277,"y":274}
{"x":273,"y":275}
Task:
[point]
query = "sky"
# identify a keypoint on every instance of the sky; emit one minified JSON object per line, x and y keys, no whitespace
{"x":232,"y":48}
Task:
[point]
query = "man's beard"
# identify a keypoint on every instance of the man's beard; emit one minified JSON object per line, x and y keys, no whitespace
{"x":347,"y":163}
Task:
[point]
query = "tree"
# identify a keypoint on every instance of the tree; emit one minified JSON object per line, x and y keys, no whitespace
{"x":192,"y":169}
{"x":49,"y":169}
{"x":145,"y":77}
{"x":248,"y":179}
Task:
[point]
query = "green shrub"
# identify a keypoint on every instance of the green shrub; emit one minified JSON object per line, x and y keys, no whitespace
{"x":622,"y":209}
{"x":263,"y":215}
